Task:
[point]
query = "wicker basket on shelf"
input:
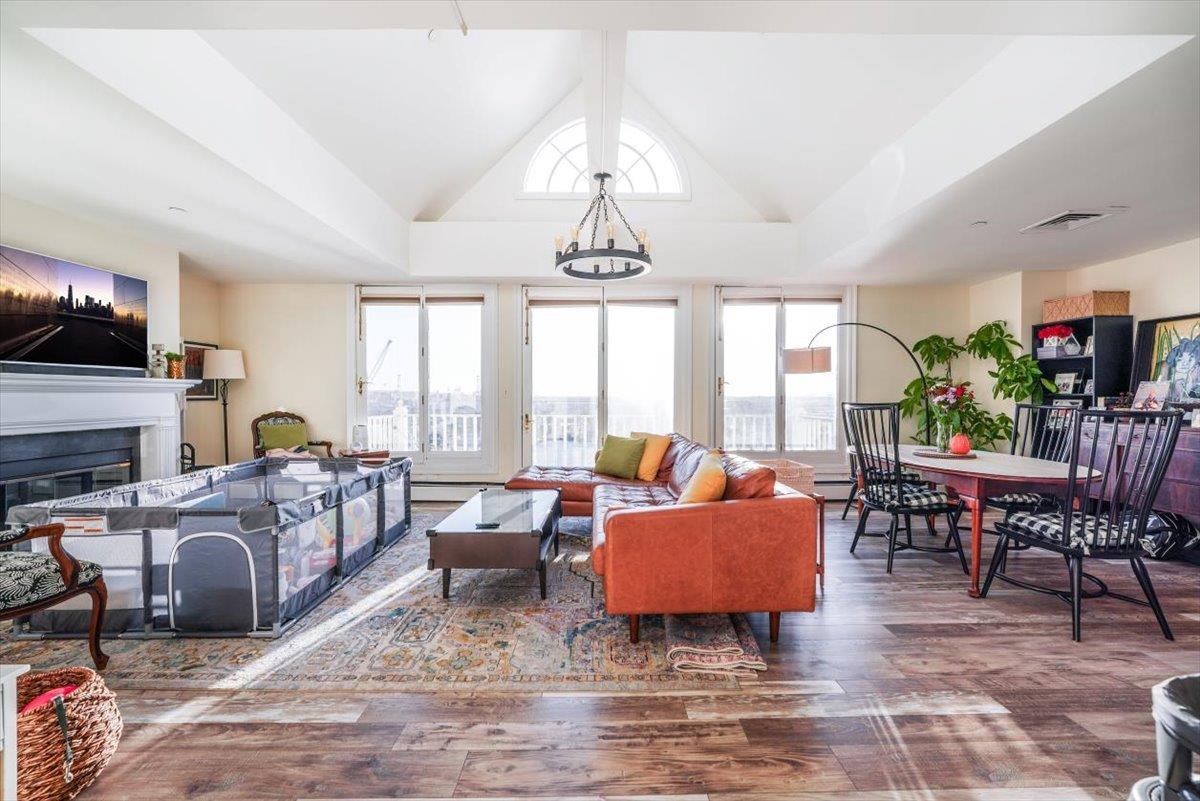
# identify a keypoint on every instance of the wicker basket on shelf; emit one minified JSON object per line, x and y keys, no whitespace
{"x":44,"y":771}
{"x":797,"y":475}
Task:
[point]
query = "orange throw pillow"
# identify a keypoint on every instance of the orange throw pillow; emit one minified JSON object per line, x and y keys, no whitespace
{"x":708,"y":482}
{"x":656,"y":449}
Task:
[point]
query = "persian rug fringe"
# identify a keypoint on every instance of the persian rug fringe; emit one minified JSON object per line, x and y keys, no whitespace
{"x":718,"y":644}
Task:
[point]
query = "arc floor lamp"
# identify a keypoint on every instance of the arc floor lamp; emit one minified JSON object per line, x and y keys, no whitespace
{"x":820,"y":360}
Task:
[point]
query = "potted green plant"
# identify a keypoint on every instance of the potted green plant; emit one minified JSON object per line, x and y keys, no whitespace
{"x":174,"y":364}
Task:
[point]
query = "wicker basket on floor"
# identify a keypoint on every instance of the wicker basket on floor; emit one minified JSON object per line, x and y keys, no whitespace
{"x":797,"y":475}
{"x":93,"y":726}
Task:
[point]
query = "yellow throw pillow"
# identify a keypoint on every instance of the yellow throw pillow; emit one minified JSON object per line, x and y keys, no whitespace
{"x":656,"y":449}
{"x":708,"y":482}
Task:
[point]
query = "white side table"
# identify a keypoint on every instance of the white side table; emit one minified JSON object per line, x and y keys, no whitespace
{"x":8,"y":730}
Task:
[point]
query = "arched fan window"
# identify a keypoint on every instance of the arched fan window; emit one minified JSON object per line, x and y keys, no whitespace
{"x":645,"y":168}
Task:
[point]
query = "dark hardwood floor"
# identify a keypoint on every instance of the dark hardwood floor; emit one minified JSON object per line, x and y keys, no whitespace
{"x":898,"y":687}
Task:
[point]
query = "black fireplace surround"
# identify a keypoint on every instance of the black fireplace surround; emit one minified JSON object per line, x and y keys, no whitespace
{"x":36,"y":467}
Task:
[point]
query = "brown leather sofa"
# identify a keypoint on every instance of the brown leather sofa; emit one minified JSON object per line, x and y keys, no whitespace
{"x":753,"y":551}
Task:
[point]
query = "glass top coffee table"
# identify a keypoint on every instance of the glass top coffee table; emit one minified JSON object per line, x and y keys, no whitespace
{"x":498,"y":528}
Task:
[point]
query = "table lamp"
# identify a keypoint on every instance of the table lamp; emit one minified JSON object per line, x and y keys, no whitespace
{"x":224,"y":366}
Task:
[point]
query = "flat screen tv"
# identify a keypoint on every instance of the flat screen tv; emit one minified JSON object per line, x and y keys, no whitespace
{"x":61,"y":313}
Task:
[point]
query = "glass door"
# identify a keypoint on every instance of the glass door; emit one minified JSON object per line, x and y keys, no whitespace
{"x":390,"y":380}
{"x":562,"y":421}
{"x":640,"y":367}
{"x":748,"y":384}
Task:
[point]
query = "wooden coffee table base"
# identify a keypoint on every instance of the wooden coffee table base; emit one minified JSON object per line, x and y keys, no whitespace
{"x":540,"y":567}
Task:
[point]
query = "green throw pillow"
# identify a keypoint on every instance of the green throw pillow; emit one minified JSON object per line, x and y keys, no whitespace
{"x":620,"y":456}
{"x":285,"y":435}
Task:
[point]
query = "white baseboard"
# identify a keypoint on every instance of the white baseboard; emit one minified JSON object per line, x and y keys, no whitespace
{"x":444,"y":492}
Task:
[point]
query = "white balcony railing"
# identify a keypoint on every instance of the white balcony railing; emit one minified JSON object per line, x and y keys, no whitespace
{"x":570,"y":439}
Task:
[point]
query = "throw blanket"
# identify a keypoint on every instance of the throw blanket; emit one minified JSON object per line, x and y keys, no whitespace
{"x":722,"y":644}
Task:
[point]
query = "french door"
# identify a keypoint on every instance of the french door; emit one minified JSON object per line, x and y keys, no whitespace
{"x":597,"y":362}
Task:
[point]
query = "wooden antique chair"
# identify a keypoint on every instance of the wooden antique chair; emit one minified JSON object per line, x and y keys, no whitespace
{"x":298,"y":431}
{"x":31,"y":582}
{"x":1120,"y":458}
{"x":874,"y":432}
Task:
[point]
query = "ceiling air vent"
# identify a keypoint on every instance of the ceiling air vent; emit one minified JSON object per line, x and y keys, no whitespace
{"x":1067,"y":221}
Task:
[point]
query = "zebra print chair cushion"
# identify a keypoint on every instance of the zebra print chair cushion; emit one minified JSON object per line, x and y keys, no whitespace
{"x":908,"y":477}
{"x":1030,"y":501}
{"x":916,"y":497}
{"x":27,"y":578}
{"x":1088,"y":531}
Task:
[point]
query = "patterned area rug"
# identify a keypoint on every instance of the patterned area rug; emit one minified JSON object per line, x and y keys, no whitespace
{"x":390,"y":629}
{"x":720,"y":644}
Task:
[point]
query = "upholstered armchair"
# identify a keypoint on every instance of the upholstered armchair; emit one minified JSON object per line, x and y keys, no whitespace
{"x":30,"y":582}
{"x":282,"y":430}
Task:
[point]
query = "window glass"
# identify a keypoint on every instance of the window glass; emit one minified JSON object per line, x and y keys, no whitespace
{"x":455,"y":396}
{"x":750,"y":366}
{"x":391,"y":375}
{"x":810,"y":401}
{"x":644,"y":166}
{"x":641,"y":368}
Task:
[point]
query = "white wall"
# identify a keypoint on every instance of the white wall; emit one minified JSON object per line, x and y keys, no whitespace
{"x":200,"y":321}
{"x":35,"y":228}
{"x":1161,"y":283}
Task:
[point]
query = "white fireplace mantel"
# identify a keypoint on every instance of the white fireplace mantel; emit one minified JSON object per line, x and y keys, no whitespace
{"x":32,"y":403}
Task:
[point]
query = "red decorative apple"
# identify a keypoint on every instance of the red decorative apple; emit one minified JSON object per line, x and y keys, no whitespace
{"x":960,"y":444}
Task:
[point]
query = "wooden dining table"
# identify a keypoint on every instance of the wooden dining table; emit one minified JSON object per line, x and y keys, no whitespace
{"x":985,"y":475}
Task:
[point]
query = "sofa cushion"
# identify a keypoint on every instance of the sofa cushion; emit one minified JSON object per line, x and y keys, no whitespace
{"x":621,"y":496}
{"x":652,"y":457}
{"x":620,"y":456}
{"x":688,"y":454}
{"x":708,"y":482}
{"x":747,"y":479}
{"x":576,"y":483}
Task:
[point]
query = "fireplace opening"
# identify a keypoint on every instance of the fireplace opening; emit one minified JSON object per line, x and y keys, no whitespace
{"x":41,"y":467}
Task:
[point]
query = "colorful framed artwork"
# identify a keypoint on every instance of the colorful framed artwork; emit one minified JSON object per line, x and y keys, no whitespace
{"x":1151,"y":396}
{"x":193,"y":370}
{"x":1168,"y":350}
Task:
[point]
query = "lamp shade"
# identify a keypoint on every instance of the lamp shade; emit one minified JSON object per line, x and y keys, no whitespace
{"x":807,"y":360}
{"x":223,"y":364}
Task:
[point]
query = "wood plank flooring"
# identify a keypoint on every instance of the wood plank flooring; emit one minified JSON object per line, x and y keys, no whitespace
{"x":898,"y":688}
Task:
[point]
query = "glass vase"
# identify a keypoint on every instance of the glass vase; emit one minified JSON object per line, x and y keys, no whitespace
{"x":942,"y":436}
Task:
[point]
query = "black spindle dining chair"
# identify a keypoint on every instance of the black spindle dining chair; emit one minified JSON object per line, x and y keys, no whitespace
{"x":874,"y":432}
{"x":1039,"y":432}
{"x":1118,"y":459}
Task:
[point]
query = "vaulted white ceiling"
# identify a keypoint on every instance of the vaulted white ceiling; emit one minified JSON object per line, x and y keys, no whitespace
{"x":345,"y":142}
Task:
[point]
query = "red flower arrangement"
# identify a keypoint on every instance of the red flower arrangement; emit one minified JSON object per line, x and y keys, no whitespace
{"x":1060,"y":331}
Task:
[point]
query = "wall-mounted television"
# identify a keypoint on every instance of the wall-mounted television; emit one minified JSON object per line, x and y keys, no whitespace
{"x":61,"y":313}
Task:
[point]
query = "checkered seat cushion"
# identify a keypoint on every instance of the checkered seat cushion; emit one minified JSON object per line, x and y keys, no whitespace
{"x":878,"y":474}
{"x":26,"y":578}
{"x":1030,"y":501}
{"x":1088,"y":531}
{"x":915,"y":496}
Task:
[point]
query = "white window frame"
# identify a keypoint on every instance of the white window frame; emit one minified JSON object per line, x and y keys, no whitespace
{"x":679,"y":295}
{"x":825,"y":461}
{"x":483,"y":461}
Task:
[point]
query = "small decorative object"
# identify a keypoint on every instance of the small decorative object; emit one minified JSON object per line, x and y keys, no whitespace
{"x":1064,"y":383}
{"x":1150,"y":396}
{"x":948,"y":401}
{"x":46,"y":770}
{"x":960,"y":444}
{"x":158,"y":363}
{"x":193,"y":370}
{"x":174,"y":365}
{"x":1089,"y":347}
{"x":1055,"y":336}
{"x":1089,"y":386}
{"x":1071,"y":345}
{"x":1168,"y":349}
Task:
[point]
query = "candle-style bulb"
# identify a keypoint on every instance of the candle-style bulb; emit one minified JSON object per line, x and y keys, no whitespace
{"x":612,"y":230}
{"x":641,"y":236}
{"x":574,"y":233}
{"x":558,"y":244}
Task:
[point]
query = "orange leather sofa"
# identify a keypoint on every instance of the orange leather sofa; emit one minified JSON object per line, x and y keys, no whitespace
{"x":753,"y":551}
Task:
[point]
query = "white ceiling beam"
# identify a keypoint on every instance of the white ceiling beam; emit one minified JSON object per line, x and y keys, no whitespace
{"x":178,"y":77}
{"x":603,"y":66}
{"x":1007,"y":17}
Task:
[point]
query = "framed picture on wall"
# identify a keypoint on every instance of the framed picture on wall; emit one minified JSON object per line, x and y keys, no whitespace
{"x":193,"y":370}
{"x":1168,"y":350}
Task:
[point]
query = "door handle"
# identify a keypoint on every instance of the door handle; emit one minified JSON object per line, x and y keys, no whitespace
{"x":527,"y":422}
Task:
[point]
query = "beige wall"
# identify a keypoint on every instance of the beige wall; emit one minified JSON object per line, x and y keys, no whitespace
{"x":1161,"y":283}
{"x":911,"y":313}
{"x":295,"y":339}
{"x":29,"y":226}
{"x":200,"y":321}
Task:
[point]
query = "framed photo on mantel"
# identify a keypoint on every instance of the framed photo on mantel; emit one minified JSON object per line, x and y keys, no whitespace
{"x":1168,"y":351}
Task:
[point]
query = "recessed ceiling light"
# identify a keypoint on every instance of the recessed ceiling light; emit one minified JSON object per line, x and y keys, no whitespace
{"x":180,"y":209}
{"x":979,"y":223}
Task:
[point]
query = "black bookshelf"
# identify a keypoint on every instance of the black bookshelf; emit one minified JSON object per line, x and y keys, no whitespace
{"x":1109,"y":365}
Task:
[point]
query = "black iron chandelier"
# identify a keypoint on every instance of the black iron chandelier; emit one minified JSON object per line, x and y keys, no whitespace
{"x":609,"y":263}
